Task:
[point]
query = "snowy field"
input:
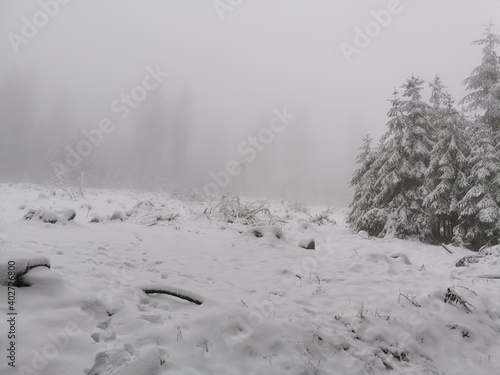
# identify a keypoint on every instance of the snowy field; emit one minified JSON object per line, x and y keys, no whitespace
{"x":353,"y":305}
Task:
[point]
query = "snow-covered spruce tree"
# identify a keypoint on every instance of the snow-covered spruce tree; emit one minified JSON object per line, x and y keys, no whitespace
{"x":362,"y":215}
{"x":479,"y":208}
{"x":446,"y":176}
{"x":403,"y":159}
{"x":438,"y":95}
{"x":484,"y":82}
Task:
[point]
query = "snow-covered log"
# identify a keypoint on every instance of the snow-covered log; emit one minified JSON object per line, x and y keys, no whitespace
{"x":18,"y":267}
{"x":173,"y":291}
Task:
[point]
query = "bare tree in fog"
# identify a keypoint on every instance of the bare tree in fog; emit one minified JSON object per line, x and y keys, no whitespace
{"x":52,"y":137}
{"x":180,"y":133}
{"x":17,"y":119}
{"x":152,"y":140}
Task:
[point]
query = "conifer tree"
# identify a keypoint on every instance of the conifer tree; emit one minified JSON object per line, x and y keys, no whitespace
{"x":438,"y":94}
{"x":435,"y":174}
{"x":403,"y":162}
{"x":446,"y":176}
{"x":363,"y":182}
{"x":484,"y":82}
{"x":479,"y":209}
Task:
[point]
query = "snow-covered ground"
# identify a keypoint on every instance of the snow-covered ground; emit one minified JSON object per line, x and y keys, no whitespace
{"x":354,"y":305}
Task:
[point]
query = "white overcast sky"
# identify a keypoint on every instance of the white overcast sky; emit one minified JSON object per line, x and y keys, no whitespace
{"x":265,"y":54}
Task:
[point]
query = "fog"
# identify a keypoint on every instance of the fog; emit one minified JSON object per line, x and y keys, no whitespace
{"x":232,"y":71}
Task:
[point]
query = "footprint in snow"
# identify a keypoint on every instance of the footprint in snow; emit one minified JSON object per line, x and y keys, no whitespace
{"x":103,"y":337}
{"x":155,"y":320}
{"x":309,"y":311}
{"x":111,"y":360}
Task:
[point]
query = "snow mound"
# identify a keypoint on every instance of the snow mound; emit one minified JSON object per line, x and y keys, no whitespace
{"x":308,"y":244}
{"x":402,"y":257}
{"x":149,"y":213}
{"x":44,"y":215}
{"x":47,"y":215}
{"x":265,"y":231}
{"x":118,"y":215}
{"x":67,"y":214}
{"x":364,"y":234}
{"x":493,"y":251}
{"x":485,"y":264}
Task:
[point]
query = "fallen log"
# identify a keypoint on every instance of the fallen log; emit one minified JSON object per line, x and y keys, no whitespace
{"x":11,"y":272}
{"x":174,"y":292}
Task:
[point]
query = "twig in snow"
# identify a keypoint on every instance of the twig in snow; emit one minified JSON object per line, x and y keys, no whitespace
{"x":452,"y":296}
{"x":446,"y":248}
{"x":71,"y":195}
{"x":489,"y":276}
{"x":412,"y":299}
{"x":470,"y":290}
{"x":362,"y":312}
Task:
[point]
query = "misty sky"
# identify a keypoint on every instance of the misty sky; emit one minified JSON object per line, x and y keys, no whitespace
{"x":263,"y":55}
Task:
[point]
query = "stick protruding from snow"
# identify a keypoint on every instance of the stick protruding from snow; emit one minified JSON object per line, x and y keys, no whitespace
{"x":446,"y":248}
